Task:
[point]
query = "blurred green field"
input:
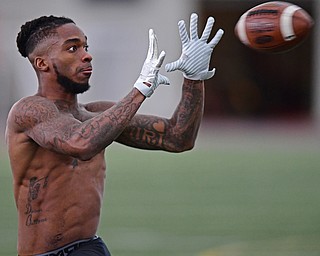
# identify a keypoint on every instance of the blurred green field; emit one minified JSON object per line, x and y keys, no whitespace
{"x":206,"y":202}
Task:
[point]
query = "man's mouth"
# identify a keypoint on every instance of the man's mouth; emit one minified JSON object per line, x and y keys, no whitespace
{"x":86,"y":70}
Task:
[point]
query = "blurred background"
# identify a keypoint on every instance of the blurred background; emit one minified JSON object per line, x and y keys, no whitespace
{"x":250,"y":186}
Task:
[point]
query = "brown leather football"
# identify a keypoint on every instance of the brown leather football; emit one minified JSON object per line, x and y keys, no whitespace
{"x":274,"y":26}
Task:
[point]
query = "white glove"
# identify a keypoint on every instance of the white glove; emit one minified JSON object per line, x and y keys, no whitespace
{"x":196,"y":53}
{"x":149,"y":78}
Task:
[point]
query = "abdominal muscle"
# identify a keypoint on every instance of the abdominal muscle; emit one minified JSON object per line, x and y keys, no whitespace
{"x":59,"y":205}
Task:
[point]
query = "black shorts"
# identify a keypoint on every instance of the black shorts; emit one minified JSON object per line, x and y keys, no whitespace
{"x":90,"y":247}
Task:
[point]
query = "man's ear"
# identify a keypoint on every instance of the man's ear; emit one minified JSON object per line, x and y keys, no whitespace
{"x":40,"y":64}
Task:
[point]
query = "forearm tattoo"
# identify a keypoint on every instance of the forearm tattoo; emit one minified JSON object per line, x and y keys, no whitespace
{"x":173,"y":134}
{"x":106,"y":127}
{"x":191,"y":104}
{"x":145,"y":132}
{"x":51,"y":127}
{"x":188,"y":114}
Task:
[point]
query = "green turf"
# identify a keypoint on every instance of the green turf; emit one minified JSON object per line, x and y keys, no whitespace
{"x":201,"y":203}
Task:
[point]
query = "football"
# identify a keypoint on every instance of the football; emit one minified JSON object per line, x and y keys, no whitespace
{"x":273,"y":27}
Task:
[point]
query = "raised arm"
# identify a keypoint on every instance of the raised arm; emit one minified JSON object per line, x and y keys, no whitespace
{"x":179,"y":133}
{"x":42,"y":121}
{"x":176,"y":134}
{"x":55,"y":129}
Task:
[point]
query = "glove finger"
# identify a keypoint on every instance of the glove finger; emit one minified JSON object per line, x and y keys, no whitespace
{"x":155,"y":47}
{"x":183,"y":33}
{"x":207,"y":30}
{"x":152,"y":45}
{"x":211,"y":73}
{"x":163,"y":80}
{"x":160,"y":59}
{"x":172,"y":66}
{"x":207,"y":74}
{"x":194,"y":26}
{"x":216,"y":38}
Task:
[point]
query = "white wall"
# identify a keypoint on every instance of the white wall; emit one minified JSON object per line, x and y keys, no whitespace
{"x":118,"y":38}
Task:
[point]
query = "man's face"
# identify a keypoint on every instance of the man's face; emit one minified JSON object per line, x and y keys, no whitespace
{"x":69,"y":85}
{"x":70,"y":60}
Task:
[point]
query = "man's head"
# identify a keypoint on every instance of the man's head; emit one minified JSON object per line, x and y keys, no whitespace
{"x":56,"y":47}
{"x":35,"y":31}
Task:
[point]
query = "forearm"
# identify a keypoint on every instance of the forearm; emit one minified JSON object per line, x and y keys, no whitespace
{"x":176,"y":134}
{"x":97,"y":133}
{"x":179,"y":133}
{"x":185,"y":122}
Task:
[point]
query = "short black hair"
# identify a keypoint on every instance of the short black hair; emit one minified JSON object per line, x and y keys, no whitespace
{"x":34,"y":31}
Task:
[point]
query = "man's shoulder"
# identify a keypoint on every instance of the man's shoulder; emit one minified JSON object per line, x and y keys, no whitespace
{"x":30,"y":102}
{"x":29,"y":99}
{"x":29,"y":109}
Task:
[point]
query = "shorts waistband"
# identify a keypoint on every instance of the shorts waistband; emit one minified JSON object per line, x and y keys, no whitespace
{"x":67,"y":249}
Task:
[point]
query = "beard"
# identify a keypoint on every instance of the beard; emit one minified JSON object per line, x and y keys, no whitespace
{"x":69,"y":85}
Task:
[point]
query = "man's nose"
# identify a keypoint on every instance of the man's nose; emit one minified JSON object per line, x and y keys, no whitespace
{"x":87,"y":57}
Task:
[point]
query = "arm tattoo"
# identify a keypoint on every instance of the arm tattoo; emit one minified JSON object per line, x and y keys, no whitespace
{"x":55,"y":127}
{"x":106,"y":127}
{"x":145,"y":132}
{"x":32,"y":112}
{"x":175,"y":134}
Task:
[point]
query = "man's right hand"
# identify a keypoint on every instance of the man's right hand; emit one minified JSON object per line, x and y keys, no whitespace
{"x":150,"y":78}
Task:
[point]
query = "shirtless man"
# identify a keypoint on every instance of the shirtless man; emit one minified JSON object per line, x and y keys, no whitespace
{"x":56,"y":144}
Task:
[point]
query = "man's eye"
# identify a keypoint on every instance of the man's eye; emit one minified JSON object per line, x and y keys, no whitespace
{"x":86,"y":47}
{"x":72,"y":48}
